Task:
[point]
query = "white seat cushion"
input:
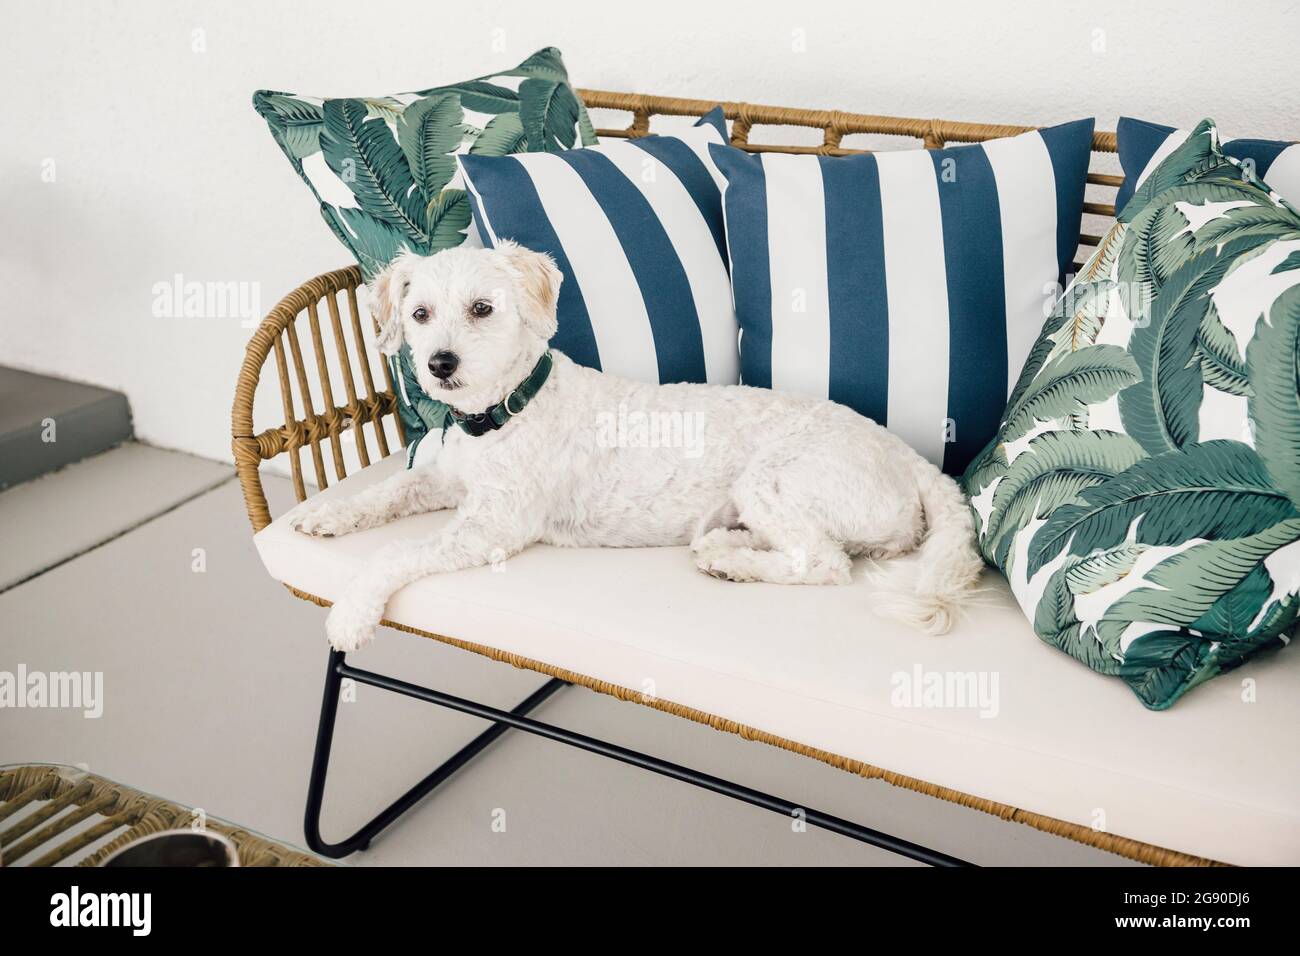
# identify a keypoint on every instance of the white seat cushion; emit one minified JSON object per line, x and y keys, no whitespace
{"x":1215,"y":776}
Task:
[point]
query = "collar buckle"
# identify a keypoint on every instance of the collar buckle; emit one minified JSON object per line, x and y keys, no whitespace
{"x":480,"y":423}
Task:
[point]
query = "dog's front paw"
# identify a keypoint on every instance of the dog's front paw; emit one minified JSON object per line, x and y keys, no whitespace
{"x":325,"y":519}
{"x":723,"y":563}
{"x":350,"y":626}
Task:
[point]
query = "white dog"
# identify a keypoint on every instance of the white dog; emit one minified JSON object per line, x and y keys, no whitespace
{"x":764,"y":486}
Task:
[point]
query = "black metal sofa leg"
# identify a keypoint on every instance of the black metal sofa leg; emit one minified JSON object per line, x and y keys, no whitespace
{"x":320,"y":765}
{"x":503,"y":720}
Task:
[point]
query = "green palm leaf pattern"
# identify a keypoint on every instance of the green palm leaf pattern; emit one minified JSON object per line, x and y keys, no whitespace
{"x":1186,"y":585}
{"x":586,"y":131}
{"x":384,"y":107}
{"x":1052,"y":471}
{"x":1088,"y":302}
{"x":1055,"y":610}
{"x":449,"y":217}
{"x":481,"y":96}
{"x":429,"y":133}
{"x":1268,"y":221}
{"x":1095,"y":571}
{"x":1162,"y":411}
{"x":1162,"y":666}
{"x":1276,"y":626}
{"x":1157,"y":243}
{"x":424,"y":414}
{"x":1231,"y":615}
{"x":1161,"y":239}
{"x":549,"y":111}
{"x":374,"y":242}
{"x":1225,"y":172}
{"x":1097,"y":268}
{"x":1086,"y":645}
{"x":503,"y":135}
{"x":1102,"y":262}
{"x":331,"y":216}
{"x":295,"y":122}
{"x":1089,"y":375}
{"x":1273,"y":359}
{"x":1038,"y":355}
{"x":361,"y":151}
{"x":1291,"y":262}
{"x":1218,"y":489}
{"x":545,"y":64}
{"x":1216,"y":349}
{"x":1055,"y":623}
{"x":1199,"y":149}
{"x":989,"y":464}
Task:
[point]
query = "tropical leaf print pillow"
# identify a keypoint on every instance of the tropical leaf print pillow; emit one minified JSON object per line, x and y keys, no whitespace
{"x":384,"y":169}
{"x":1143,"y":493}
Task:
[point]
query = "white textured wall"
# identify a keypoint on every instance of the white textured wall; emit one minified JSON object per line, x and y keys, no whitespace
{"x":161,"y":166}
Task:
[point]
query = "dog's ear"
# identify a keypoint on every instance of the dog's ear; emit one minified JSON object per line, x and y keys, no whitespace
{"x":539,"y":281}
{"x":386,"y":292}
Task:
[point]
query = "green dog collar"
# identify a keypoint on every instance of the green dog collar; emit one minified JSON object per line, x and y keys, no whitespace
{"x":493,"y":418}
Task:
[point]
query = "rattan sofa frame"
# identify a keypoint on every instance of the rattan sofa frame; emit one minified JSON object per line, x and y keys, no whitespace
{"x":323,"y":423}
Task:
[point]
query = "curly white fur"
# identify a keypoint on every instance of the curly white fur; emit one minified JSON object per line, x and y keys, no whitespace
{"x":764,"y":486}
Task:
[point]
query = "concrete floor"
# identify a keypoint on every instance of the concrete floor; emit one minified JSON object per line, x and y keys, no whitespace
{"x":212,"y":676}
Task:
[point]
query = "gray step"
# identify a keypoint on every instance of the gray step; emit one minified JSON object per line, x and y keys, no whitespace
{"x":82,"y":420}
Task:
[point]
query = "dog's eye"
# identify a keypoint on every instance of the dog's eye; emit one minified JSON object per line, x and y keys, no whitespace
{"x":420,"y":315}
{"x":481,"y":308}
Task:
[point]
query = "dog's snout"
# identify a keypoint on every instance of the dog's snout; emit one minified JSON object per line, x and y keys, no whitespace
{"x":443,"y":364}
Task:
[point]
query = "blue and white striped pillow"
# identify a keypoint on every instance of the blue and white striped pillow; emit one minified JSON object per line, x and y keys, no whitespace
{"x":1143,"y":146}
{"x":908,"y":285}
{"x":636,"y":227}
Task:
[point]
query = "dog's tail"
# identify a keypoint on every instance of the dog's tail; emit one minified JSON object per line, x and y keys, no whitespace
{"x":948,"y":563}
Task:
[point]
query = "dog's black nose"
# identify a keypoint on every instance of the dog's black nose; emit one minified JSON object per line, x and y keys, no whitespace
{"x":443,"y":364}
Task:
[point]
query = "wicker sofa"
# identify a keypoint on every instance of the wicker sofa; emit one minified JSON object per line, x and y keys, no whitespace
{"x":807,"y":669}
